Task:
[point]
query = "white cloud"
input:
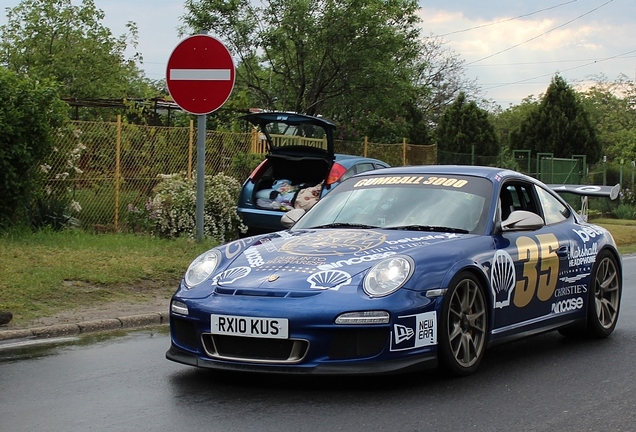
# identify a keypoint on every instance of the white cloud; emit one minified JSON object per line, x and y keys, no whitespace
{"x":589,"y":45}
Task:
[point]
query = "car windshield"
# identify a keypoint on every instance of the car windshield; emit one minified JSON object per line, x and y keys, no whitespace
{"x":283,"y":135}
{"x":409,"y":202}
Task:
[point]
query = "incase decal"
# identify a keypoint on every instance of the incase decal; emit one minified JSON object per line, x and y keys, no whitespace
{"x":356,"y":260}
{"x":568,"y":305}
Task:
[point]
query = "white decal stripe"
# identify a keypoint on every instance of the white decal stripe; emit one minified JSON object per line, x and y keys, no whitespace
{"x":200,"y":74}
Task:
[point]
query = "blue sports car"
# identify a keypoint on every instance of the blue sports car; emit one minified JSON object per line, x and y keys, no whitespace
{"x":399,"y":269}
{"x":300,"y":167}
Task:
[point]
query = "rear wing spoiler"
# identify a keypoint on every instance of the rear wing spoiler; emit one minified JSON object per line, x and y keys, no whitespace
{"x":585,"y":191}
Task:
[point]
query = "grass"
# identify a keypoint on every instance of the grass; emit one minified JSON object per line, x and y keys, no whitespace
{"x":623,"y":231}
{"x":47,"y":272}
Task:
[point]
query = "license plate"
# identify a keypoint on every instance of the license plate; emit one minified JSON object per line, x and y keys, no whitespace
{"x":273,"y":328}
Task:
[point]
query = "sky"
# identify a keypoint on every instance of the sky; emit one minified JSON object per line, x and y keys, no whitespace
{"x":512,"y":48}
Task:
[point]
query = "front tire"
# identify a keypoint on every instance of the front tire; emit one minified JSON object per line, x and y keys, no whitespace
{"x":463,"y":326}
{"x":605,"y":296}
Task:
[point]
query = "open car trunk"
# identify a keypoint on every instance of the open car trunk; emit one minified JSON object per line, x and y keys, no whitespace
{"x":286,"y":176}
{"x":300,"y":155}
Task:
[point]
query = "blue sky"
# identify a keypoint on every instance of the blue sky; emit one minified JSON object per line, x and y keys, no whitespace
{"x":512,"y":47}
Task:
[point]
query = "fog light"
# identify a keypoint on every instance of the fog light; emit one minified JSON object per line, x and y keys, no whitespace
{"x":364,"y":317}
{"x":179,"y":307}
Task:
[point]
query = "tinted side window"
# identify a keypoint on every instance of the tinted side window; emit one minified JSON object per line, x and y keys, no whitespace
{"x":517,"y":196}
{"x":356,"y":169}
{"x":553,"y":210}
{"x":363,"y":167}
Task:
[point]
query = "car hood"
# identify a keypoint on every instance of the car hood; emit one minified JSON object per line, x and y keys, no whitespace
{"x":325,"y":259}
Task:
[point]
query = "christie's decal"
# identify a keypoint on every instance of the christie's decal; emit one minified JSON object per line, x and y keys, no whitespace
{"x":414,"y":331}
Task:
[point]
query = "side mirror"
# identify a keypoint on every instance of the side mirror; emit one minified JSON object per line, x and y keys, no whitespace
{"x":290,"y":218}
{"x":522,"y":220}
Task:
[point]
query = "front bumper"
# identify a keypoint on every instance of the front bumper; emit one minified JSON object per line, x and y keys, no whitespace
{"x":352,"y":368}
{"x":315,"y":345}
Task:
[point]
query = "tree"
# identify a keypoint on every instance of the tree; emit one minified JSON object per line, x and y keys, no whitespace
{"x":440,"y":78}
{"x":55,"y":39}
{"x":559,"y":125}
{"x":507,"y":121}
{"x":305,"y":55}
{"x":613,"y":113}
{"x":359,"y":62}
{"x":465,"y":127}
{"x":29,"y":111}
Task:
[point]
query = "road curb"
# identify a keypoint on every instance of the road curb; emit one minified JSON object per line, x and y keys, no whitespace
{"x":60,"y":330}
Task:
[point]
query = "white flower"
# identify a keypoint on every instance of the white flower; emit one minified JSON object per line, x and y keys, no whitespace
{"x":76,"y":206}
{"x":45,"y":168}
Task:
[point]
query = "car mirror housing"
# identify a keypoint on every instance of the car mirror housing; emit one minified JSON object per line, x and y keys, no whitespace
{"x":290,"y":218}
{"x":522,"y":220}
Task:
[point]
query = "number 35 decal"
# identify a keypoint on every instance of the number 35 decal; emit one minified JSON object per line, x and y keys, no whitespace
{"x":540,"y":268}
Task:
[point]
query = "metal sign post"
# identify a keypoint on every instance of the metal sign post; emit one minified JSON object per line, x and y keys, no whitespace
{"x":200,"y":79}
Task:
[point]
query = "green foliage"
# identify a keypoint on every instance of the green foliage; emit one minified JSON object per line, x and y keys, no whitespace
{"x":56,"y":205}
{"x":364,"y":65}
{"x":243,"y":164}
{"x":507,"y":122}
{"x":611,"y":108}
{"x":559,"y":124}
{"x":304,"y":56}
{"x":624,"y":211}
{"x":30,"y":112}
{"x":59,"y":40}
{"x":173,"y":208}
{"x":465,"y":125}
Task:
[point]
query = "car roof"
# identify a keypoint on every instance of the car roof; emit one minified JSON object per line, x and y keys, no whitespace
{"x":341,"y":157}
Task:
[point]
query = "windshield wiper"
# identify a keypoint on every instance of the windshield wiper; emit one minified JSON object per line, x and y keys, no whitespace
{"x":345,"y":225}
{"x":428,"y":228}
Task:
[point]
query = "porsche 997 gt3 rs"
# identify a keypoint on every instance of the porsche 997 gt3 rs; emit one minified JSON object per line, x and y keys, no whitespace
{"x":399,"y":269}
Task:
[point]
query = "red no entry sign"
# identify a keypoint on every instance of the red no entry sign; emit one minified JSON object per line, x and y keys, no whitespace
{"x":200,"y":74}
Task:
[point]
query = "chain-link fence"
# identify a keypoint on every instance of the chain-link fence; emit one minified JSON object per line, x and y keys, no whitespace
{"x":111,"y":168}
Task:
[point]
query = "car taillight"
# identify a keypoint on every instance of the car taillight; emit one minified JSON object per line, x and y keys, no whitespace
{"x":259,"y":170}
{"x":336,"y":172}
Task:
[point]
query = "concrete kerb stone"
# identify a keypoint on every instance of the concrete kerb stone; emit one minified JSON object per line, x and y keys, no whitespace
{"x":60,"y":330}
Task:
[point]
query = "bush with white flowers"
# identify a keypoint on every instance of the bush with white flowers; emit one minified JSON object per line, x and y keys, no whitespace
{"x":172,"y":209}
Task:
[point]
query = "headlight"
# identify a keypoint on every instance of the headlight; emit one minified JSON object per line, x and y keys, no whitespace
{"x":202,"y":267}
{"x":388,"y":276}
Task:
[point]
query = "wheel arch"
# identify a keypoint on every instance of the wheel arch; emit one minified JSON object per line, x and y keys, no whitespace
{"x":482,"y":277}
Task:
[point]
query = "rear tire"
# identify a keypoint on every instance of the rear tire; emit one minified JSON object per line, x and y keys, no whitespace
{"x":463,"y":326}
{"x":605,"y":296}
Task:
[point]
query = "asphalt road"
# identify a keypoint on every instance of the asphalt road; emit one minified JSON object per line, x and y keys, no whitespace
{"x":122,"y":382}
